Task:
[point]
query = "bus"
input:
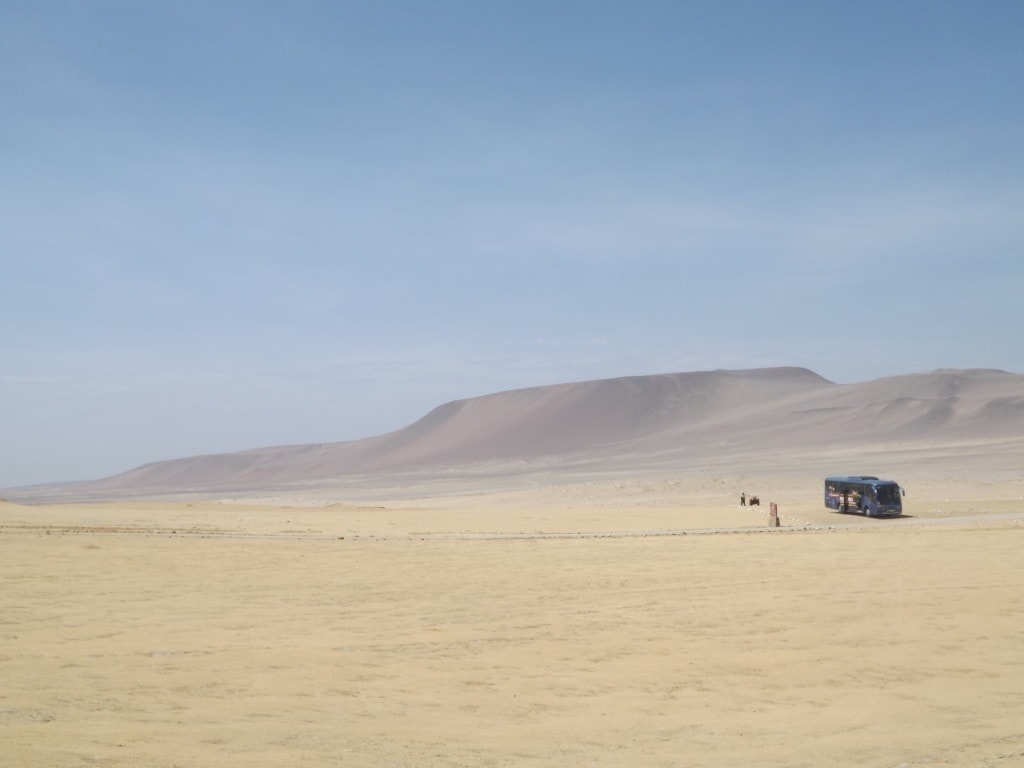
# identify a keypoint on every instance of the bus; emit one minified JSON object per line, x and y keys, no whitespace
{"x":865,"y":495}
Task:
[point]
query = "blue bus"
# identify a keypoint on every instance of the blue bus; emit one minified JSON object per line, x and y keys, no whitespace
{"x":865,"y":495}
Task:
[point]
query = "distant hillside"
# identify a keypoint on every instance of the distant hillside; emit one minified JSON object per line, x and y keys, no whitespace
{"x":617,"y":423}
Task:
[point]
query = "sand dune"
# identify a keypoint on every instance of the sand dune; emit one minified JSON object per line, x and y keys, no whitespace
{"x":713,"y":418}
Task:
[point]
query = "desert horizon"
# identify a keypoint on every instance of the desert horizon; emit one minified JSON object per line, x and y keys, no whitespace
{"x":390,"y":384}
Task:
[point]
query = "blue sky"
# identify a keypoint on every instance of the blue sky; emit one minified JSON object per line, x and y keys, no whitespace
{"x":234,"y":224}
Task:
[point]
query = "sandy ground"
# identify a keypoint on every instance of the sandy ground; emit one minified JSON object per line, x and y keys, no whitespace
{"x":635,"y":622}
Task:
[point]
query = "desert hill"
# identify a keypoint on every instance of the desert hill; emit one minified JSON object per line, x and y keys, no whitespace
{"x":622,"y":424}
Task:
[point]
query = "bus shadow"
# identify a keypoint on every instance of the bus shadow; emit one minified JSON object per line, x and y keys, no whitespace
{"x":879,"y":519}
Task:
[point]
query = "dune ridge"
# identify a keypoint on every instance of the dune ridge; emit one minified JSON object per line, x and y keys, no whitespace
{"x":620,"y":424}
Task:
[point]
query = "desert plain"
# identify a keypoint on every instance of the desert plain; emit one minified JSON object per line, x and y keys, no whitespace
{"x":614,"y":606}
{"x":627,"y":622}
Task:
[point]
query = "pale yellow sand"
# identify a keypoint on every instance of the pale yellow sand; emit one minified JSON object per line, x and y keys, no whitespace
{"x":487,"y":630}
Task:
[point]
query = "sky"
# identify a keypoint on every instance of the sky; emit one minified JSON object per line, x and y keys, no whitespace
{"x":233,"y":224}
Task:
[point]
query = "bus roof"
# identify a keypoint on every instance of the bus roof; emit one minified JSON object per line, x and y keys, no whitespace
{"x":857,"y":479}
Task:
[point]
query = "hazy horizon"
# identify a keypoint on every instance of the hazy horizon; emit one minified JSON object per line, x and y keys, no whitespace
{"x":700,"y":421}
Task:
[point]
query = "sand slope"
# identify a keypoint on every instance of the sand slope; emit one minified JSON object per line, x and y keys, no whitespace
{"x":716,"y":418}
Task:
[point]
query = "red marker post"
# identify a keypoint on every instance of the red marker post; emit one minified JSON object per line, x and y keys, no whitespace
{"x":773,"y":516}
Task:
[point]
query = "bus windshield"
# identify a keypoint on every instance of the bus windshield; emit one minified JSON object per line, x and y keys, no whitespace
{"x":888,"y":494}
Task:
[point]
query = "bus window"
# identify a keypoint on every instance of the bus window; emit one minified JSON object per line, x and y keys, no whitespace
{"x":888,"y":494}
